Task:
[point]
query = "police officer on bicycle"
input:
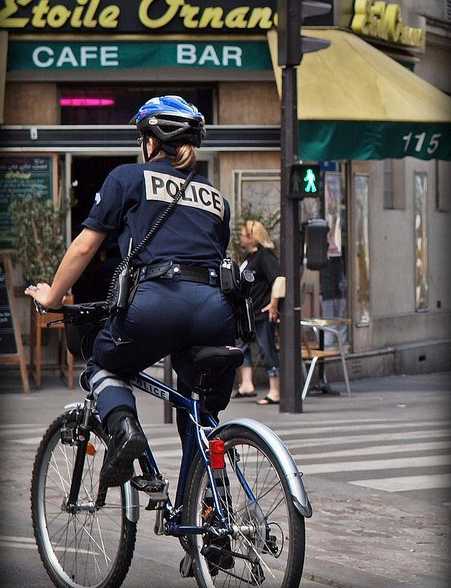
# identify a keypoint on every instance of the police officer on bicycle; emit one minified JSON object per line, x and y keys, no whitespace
{"x":178,"y":303}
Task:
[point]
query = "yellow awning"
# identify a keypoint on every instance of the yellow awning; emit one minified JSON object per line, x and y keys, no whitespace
{"x":354,"y":102}
{"x":352,"y":80}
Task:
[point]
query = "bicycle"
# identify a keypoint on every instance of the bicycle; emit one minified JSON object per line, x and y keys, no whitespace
{"x":239,"y":507}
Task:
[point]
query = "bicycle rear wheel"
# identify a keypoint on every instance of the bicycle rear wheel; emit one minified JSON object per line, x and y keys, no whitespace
{"x":91,"y":546}
{"x":268,"y":542}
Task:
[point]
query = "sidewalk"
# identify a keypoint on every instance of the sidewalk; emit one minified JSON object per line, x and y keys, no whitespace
{"x":358,"y":537}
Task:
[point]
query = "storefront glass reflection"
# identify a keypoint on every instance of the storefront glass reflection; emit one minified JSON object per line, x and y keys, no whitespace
{"x":362,"y":250}
{"x":98,"y":104}
{"x":421,"y":244}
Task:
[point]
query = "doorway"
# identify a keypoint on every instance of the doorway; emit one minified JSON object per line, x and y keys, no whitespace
{"x":87,"y":176}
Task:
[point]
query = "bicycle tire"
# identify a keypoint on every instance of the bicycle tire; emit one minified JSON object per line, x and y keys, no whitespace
{"x":49,"y":553}
{"x":288,"y":574}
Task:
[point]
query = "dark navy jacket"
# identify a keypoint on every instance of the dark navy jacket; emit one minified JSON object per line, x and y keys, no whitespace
{"x":133,"y":196}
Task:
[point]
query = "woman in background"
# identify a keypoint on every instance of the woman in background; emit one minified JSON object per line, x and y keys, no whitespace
{"x":268,"y":287}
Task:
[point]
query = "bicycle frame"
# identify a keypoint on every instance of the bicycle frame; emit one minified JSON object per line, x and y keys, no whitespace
{"x":196,"y":439}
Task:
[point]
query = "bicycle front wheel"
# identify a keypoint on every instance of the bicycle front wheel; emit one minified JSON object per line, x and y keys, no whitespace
{"x":90,"y":546}
{"x":267,"y":545}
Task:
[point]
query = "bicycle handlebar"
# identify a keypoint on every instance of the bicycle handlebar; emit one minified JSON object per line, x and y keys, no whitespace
{"x":72,"y":310}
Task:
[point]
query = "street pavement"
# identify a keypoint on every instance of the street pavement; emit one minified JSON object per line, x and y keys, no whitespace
{"x":377,"y":467}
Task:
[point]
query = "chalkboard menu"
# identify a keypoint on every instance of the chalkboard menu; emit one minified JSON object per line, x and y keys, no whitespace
{"x":20,"y":177}
{"x":7,"y":338}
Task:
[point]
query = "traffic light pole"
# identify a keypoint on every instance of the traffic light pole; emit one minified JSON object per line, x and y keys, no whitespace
{"x":291,"y":47}
{"x":291,"y":383}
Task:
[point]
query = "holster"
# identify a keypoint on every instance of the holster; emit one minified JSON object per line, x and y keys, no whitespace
{"x":246,"y":320}
{"x":237,"y":287}
{"x":126,"y":286}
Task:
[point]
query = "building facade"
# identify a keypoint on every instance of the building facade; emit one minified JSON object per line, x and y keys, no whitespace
{"x":76,"y":72}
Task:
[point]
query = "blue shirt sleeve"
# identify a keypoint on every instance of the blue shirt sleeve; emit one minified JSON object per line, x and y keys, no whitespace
{"x":106,"y":214}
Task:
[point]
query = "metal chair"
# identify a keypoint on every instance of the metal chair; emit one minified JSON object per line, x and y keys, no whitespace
{"x":312,"y":355}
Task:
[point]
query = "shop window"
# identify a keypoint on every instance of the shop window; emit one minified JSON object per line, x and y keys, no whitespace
{"x":362,"y":247}
{"x":443,"y":186}
{"x":115,"y":105}
{"x":394,"y":191}
{"x":420,"y":186}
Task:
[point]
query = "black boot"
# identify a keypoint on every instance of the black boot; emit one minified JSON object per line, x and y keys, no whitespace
{"x":127,"y":442}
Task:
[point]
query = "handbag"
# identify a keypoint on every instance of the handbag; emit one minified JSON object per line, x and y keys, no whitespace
{"x":125,"y":280}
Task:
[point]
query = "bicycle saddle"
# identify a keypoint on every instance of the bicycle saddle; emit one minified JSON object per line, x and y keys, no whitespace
{"x":216,"y":357}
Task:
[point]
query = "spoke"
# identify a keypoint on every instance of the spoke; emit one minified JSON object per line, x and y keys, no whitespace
{"x":101,"y":537}
{"x":268,"y":514}
{"x":257,"y":470}
{"x":257,"y":498}
{"x":106,"y":515}
{"x":57,"y":470}
{"x":76,"y":546}
{"x":59,"y":531}
{"x":89,"y":547}
{"x":68,"y":462}
{"x":107,"y":559}
{"x":84,"y":542}
{"x":65,"y":541}
{"x":54,"y":503}
{"x":55,"y":517}
{"x":251,"y":546}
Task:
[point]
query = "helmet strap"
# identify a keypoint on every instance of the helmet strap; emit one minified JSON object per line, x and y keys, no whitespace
{"x":156,"y":148}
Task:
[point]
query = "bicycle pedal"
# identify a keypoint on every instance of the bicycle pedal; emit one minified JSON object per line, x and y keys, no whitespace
{"x":155,"y":487}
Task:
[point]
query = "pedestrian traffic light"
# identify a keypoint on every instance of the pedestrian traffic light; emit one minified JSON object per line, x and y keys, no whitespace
{"x":292,"y":45}
{"x":305,"y":181}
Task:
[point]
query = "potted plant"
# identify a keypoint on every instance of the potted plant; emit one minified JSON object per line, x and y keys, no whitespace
{"x":40,"y":243}
{"x":40,"y":246}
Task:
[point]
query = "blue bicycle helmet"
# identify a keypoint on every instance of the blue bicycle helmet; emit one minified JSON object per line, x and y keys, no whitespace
{"x":171,"y":120}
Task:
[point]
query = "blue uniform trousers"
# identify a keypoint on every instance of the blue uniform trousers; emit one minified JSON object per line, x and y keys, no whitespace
{"x":166,"y":318}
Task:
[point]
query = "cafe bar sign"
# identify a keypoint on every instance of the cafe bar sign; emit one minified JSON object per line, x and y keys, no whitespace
{"x":141,"y":16}
{"x":382,"y":20}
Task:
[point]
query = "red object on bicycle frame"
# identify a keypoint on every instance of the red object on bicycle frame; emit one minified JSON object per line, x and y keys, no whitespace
{"x":216,"y":447}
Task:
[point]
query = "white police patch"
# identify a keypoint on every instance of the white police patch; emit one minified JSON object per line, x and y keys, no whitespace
{"x":97,"y":198}
{"x":164,"y":187}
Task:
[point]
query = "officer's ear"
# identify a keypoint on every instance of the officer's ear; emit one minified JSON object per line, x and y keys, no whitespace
{"x":147,"y":147}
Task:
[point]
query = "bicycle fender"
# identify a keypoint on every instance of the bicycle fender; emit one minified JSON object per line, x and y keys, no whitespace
{"x":287,"y":464}
{"x":131,"y":493}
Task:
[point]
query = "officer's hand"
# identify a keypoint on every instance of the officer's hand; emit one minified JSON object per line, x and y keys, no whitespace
{"x":42,"y":294}
{"x":273,"y":313}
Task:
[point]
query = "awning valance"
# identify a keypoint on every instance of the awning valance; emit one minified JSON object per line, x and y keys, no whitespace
{"x":354,"y":102}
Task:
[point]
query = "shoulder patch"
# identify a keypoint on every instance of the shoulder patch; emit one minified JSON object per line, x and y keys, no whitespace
{"x":97,"y":198}
{"x":164,"y":187}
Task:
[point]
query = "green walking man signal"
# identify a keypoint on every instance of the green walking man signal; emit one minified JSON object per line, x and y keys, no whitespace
{"x":305,"y":181}
{"x":310,"y":181}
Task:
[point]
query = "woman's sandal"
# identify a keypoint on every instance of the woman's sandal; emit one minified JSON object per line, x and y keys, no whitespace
{"x":266,"y":401}
{"x":239,"y":394}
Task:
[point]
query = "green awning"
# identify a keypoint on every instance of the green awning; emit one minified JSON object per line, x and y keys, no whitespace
{"x":354,"y":102}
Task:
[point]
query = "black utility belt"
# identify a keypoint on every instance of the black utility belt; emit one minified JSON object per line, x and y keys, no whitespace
{"x":176,"y":271}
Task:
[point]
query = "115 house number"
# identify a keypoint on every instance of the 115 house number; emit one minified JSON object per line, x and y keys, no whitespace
{"x":419,"y":141}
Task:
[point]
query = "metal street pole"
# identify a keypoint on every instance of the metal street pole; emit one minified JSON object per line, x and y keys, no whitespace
{"x":290,"y":255}
{"x":291,"y":47}
{"x":168,"y":380}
